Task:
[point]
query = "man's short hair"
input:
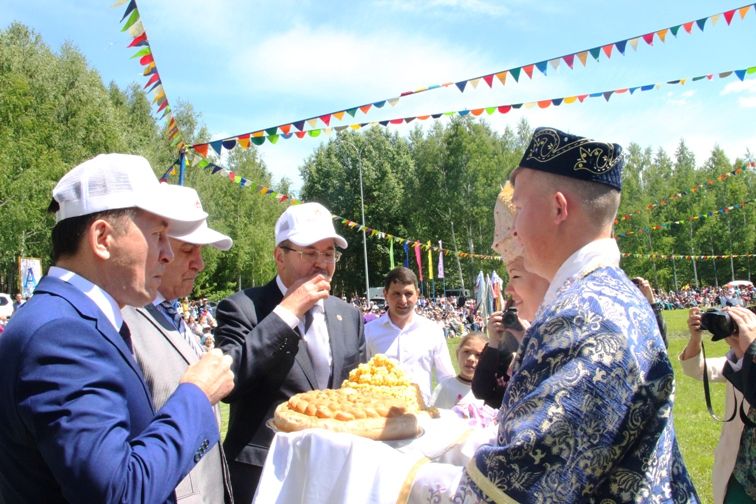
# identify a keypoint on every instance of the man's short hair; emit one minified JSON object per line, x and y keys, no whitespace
{"x":401,"y":275}
{"x":68,"y":233}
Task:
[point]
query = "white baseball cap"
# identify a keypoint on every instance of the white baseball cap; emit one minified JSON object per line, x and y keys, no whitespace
{"x":189,"y":201}
{"x":306,"y":224}
{"x":115,"y":181}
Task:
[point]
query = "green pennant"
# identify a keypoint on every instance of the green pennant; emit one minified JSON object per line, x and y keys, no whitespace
{"x":142,"y":52}
{"x":595,"y":52}
{"x":273,"y":138}
{"x":272,"y":131}
{"x":516,"y":73}
{"x":674,"y":30}
{"x":314,"y":133}
{"x":132,"y":19}
{"x":352,"y":111}
{"x":257,"y":140}
{"x":490,"y":110}
{"x":202,"y":163}
{"x":751,"y":70}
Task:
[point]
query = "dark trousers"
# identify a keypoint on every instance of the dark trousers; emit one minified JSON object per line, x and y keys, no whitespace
{"x":244,"y":481}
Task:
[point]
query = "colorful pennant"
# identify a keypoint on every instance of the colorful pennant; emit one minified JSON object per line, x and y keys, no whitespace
{"x":139,"y":40}
{"x":542,"y":66}
{"x":231,"y":142}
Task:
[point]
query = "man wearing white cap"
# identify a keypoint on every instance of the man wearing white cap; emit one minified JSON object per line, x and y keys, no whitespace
{"x":78,"y":422}
{"x":164,"y":346}
{"x":287,"y":337}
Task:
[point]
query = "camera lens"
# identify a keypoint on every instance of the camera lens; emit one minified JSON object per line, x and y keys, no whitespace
{"x":718,"y":323}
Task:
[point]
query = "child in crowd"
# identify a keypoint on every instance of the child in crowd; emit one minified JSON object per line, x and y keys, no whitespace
{"x":455,"y":393}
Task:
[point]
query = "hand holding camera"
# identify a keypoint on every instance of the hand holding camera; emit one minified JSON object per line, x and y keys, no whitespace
{"x":744,"y":321}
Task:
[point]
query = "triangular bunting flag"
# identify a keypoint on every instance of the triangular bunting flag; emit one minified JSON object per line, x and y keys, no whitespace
{"x":528,"y":70}
{"x":502,"y":76}
{"x":595,"y":52}
{"x":688,"y":27}
{"x":339,"y":115}
{"x":649,"y":38}
{"x":461,"y":86}
{"x":621,"y":46}
{"x":608,"y":50}
{"x":351,"y":111}
{"x":365,"y":108}
{"x":243,"y":141}
{"x":554,"y":63}
{"x":474,"y":83}
{"x":542,"y":66}
{"x":743,"y":11}
{"x":569,"y":59}
{"x":701,"y":22}
{"x":489,"y":80}
{"x":312,"y":122}
{"x":516,"y":74}
{"x":229,"y":144}
{"x":583,"y":57}
{"x":393,"y":101}
{"x":662,"y":34}
{"x":201,"y":149}
{"x":634,"y":43}
{"x":299,"y":125}
{"x":674,"y":30}
{"x":216,"y":145}
{"x":728,"y":16}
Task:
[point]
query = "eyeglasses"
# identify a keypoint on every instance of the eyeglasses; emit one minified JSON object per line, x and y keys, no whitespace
{"x":329,"y":256}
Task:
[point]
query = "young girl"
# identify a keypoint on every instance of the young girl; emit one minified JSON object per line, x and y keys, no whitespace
{"x":456,"y":390}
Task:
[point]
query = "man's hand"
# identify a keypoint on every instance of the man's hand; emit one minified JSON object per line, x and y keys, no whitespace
{"x":302,"y":295}
{"x":746,"y":321}
{"x":212,"y":374}
{"x":495,"y":329}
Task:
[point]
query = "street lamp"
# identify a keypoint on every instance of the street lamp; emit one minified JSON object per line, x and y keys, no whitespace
{"x":362,"y":209}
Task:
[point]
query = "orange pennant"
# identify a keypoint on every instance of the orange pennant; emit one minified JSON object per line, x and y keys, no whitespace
{"x":583,"y":57}
{"x":502,"y":76}
{"x":662,"y":34}
{"x":285,"y":128}
{"x":201,"y":149}
{"x":743,"y":11}
{"x":608,"y":50}
{"x":529,"y":70}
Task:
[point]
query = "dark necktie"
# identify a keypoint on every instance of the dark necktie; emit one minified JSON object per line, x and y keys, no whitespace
{"x":126,"y":335}
{"x":307,"y":320}
{"x":169,"y":308}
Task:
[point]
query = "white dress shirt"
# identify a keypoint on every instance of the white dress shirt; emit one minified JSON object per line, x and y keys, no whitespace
{"x":102,"y":299}
{"x":419,"y":347}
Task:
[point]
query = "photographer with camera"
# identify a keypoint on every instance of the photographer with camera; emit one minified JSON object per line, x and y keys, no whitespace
{"x":742,"y":374}
{"x":693,"y":365}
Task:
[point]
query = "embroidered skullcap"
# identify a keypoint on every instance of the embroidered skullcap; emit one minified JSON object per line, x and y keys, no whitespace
{"x":561,"y":153}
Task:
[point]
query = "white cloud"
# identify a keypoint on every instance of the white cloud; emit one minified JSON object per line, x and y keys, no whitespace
{"x":327,"y":63}
{"x":747,"y":102}
{"x":745,"y":86}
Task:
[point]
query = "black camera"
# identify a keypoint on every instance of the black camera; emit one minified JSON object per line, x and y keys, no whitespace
{"x":719,"y":323}
{"x":510,"y":320}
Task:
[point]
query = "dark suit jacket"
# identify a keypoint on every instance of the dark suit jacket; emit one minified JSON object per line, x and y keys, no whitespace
{"x":271,"y":362}
{"x":163,"y":355}
{"x":76,"y":415}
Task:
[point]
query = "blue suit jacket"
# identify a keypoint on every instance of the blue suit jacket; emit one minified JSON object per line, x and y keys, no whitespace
{"x":76,"y":415}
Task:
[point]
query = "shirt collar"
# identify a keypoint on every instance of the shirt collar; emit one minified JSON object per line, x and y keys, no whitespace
{"x":99,"y":296}
{"x":598,"y":253}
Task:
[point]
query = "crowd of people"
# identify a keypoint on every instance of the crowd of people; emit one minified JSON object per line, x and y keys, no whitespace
{"x":111,"y":385}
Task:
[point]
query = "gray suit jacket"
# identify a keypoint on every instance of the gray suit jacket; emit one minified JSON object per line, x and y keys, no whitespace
{"x":163,"y":355}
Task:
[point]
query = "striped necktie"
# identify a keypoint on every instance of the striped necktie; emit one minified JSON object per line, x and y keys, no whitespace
{"x":170,"y":309}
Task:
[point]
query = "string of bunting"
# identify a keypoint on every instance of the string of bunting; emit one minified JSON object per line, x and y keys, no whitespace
{"x":745,"y":167}
{"x":245,"y":140}
{"x":668,"y":225}
{"x":136,"y":29}
{"x":244,"y":182}
{"x":687,"y":257}
{"x":501,"y":76}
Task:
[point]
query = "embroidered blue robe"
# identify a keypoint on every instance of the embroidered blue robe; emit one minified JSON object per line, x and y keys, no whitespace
{"x":587,"y":414}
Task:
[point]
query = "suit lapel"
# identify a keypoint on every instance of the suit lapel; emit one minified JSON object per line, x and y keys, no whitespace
{"x":159,"y":321}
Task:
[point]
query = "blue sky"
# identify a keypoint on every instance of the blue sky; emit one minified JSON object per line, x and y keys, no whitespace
{"x":250,"y":65}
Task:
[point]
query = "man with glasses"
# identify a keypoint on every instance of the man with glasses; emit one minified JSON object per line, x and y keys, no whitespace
{"x":287,"y":337}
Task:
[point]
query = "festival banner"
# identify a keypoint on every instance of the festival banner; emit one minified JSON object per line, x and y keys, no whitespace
{"x":419,"y":261}
{"x":440,"y":267}
{"x":430,"y":261}
{"x":568,"y":60}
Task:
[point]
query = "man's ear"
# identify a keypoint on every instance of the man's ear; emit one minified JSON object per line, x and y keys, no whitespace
{"x":560,"y":207}
{"x":100,"y":238}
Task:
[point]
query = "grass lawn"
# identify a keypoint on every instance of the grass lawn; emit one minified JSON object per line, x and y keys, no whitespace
{"x":697,"y":433}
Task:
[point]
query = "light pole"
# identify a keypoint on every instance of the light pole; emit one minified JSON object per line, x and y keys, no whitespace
{"x":362,"y":209}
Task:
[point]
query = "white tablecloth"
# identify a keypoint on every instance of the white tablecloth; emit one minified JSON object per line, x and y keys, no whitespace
{"x":319,"y":466}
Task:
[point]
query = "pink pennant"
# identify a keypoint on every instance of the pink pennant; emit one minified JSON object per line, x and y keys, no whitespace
{"x":504,"y":109}
{"x":649,"y":38}
{"x":569,"y":59}
{"x":688,"y":26}
{"x":529,"y":70}
{"x":729,"y":15}
{"x":489,"y":80}
{"x":326,"y":119}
